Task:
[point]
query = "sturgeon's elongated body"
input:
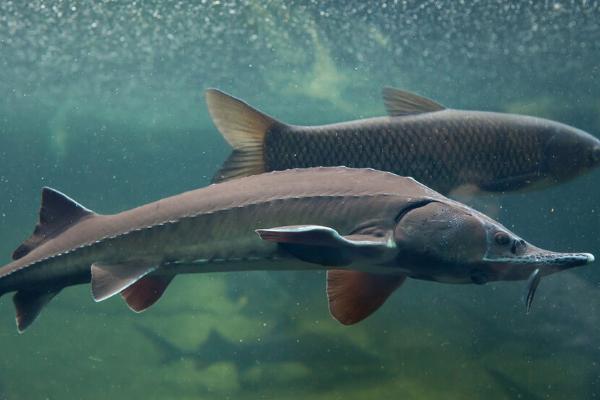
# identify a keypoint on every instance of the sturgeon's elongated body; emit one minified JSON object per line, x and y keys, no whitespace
{"x":442,"y":148}
{"x":355,"y":220}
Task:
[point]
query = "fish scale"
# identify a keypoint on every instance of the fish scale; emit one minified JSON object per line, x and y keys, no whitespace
{"x":445,"y":156}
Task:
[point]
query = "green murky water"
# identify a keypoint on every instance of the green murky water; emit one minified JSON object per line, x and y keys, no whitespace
{"x":103,"y":100}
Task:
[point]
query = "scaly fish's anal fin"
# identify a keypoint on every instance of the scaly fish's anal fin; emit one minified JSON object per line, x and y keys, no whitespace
{"x":398,"y":103}
{"x":145,"y":292}
{"x":244,"y":128}
{"x":57,"y":213}
{"x":354,"y":295}
{"x":29,"y":304}
{"x":323,"y":245}
{"x":110,"y":279}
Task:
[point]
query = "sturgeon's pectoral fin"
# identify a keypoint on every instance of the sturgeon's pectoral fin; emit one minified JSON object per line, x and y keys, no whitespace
{"x":398,"y":102}
{"x":323,"y":245}
{"x":145,"y":292}
{"x":28,"y":304}
{"x":110,"y":279}
{"x":354,"y":295}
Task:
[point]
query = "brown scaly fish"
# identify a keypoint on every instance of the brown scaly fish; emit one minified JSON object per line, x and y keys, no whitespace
{"x":442,"y":148}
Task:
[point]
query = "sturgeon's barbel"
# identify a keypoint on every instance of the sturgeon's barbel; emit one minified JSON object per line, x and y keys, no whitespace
{"x":442,"y":148}
{"x":373,"y":228}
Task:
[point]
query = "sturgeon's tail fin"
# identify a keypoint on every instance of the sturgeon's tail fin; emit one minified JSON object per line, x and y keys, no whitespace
{"x":244,"y":128}
{"x":58,"y":212}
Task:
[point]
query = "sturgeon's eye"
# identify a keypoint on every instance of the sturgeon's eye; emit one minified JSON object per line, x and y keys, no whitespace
{"x":502,"y":238}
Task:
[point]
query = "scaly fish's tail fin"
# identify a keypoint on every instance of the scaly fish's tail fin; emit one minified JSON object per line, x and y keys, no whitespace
{"x":244,"y":128}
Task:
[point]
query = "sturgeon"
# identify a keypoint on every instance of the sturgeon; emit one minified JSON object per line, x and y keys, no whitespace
{"x":370,"y":229}
{"x":445,"y":149}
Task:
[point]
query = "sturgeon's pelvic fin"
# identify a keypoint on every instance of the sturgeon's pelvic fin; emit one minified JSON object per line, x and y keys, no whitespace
{"x":323,"y":245}
{"x":398,"y":103}
{"x":244,"y":128}
{"x":145,"y":292}
{"x":57,"y":213}
{"x":354,"y":295}
{"x":111,"y":279}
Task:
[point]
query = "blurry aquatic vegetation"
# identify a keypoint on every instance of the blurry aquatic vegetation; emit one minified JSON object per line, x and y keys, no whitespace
{"x":143,"y":55}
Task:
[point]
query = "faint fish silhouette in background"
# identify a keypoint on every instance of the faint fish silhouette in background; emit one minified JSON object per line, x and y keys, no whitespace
{"x":327,"y":360}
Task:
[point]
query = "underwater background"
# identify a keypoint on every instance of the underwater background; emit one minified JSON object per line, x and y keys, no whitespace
{"x":103,"y":100}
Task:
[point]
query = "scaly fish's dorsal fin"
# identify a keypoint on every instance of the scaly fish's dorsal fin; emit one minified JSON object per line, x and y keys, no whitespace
{"x":57,"y":213}
{"x":398,"y":103}
{"x":354,"y":295}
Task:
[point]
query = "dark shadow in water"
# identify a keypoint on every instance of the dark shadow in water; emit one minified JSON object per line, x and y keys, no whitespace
{"x":512,"y":388}
{"x":565,"y":328}
{"x":328,"y":361}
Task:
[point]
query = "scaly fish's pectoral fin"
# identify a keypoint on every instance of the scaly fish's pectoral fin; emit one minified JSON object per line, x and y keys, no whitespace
{"x":515,"y":182}
{"x":110,"y":279}
{"x":354,"y":295}
{"x":145,"y":292}
{"x":323,"y":245}
{"x":29,"y":304}
{"x":398,"y":103}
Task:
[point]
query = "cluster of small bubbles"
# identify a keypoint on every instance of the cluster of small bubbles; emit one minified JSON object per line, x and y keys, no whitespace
{"x":179,"y":46}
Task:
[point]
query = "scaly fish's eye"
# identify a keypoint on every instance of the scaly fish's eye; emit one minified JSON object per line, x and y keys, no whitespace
{"x":502,"y":238}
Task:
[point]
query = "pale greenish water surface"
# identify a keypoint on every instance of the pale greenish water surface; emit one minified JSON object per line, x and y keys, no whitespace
{"x":103,"y":100}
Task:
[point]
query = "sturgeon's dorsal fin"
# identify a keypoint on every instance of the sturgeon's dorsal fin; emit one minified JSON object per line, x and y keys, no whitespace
{"x":57,"y":213}
{"x":398,"y":103}
{"x":354,"y":295}
{"x":324,"y":245}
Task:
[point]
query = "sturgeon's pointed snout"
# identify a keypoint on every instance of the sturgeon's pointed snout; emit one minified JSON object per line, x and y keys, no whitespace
{"x":520,"y":266}
{"x":560,"y":260}
{"x":550,"y":261}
